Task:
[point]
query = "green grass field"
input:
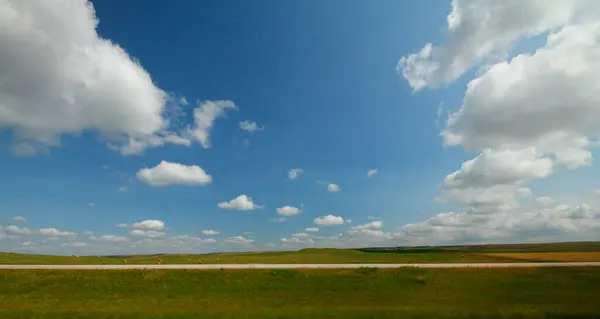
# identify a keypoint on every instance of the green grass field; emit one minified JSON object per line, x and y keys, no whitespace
{"x":362,"y":293}
{"x":446,"y":254}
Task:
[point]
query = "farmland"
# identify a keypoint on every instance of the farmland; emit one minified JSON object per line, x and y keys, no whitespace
{"x":565,"y":292}
{"x":583,"y":251}
{"x":310,"y":256}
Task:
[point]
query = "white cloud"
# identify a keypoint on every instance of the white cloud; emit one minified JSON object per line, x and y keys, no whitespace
{"x":297,"y":241}
{"x":475,"y":36}
{"x":78,"y":244}
{"x":88,"y":233}
{"x":500,"y":167}
{"x":92,"y":205}
{"x":19,"y":219}
{"x":13,"y":229}
{"x":300,"y":235}
{"x":151,"y":224}
{"x":311,"y":229}
{"x":371,"y":172}
{"x":238,"y":240}
{"x":204,"y":117}
{"x":334,"y":188}
{"x":241,"y":202}
{"x":60,"y":78}
{"x":168,"y":173}
{"x":147,"y":233}
{"x":288,"y":211}
{"x":55,"y":232}
{"x":527,"y":116}
{"x":251,"y":127}
{"x":109,"y":238}
{"x":122,"y":189}
{"x":551,"y":88}
{"x":210,"y":232}
{"x":563,"y":222}
{"x":294,"y":173}
{"x":196,"y":240}
{"x":544,"y":201}
{"x":328,"y":220}
{"x":377,"y":224}
{"x":121,"y":225}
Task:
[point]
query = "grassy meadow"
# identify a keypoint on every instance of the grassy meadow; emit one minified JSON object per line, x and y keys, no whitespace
{"x":359,"y":293}
{"x":583,"y":251}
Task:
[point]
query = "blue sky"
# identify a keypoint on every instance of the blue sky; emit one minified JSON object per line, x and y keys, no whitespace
{"x":320,"y":78}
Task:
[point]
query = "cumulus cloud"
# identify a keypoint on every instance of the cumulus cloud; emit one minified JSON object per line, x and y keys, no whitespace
{"x":151,"y":224}
{"x":527,"y":116}
{"x":565,"y":70}
{"x":372,"y":225}
{"x":333,"y":188}
{"x":204,"y":117}
{"x":121,"y":225}
{"x":55,"y":232}
{"x":192,"y":239}
{"x":109,"y":238}
{"x":369,"y":233}
{"x":294,"y":173}
{"x":371,"y":172}
{"x":311,"y":229}
{"x":328,"y":220}
{"x":169,"y":173}
{"x":475,"y":36}
{"x":241,"y":202}
{"x":297,"y":241}
{"x":288,"y":211}
{"x":16,"y":230}
{"x":250,"y":127}
{"x":562,"y":222}
{"x":506,"y":167}
{"x":147,"y":233}
{"x":210,"y":232}
{"x":19,"y":219}
{"x":238,"y":240}
{"x":60,"y":77}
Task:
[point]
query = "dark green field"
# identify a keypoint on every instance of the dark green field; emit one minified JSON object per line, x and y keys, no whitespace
{"x":362,"y":293}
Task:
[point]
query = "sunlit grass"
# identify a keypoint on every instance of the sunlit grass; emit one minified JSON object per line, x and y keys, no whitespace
{"x":358,"y":293}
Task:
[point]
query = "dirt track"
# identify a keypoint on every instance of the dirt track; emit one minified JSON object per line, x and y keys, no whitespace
{"x":302,"y":266}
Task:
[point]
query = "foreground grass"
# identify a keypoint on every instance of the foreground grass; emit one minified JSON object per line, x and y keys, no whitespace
{"x":362,"y":293}
{"x":309,"y":256}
